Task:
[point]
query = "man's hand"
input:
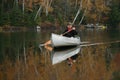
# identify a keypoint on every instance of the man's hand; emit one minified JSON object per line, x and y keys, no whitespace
{"x":73,"y":28}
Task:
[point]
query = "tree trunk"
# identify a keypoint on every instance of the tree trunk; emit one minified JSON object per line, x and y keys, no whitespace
{"x":82,"y":17}
{"x":38,"y":12}
{"x":23,"y":5}
{"x":78,"y":12}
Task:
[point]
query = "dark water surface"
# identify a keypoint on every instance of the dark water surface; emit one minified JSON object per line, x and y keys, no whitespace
{"x":22,"y":59}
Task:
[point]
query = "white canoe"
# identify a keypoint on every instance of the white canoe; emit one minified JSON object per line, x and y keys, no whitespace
{"x":59,"y":40}
{"x":59,"y":56}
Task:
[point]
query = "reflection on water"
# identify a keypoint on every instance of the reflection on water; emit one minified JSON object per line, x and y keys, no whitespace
{"x":60,"y":55}
{"x":21,"y":59}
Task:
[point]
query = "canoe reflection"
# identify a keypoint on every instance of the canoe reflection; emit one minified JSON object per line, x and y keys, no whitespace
{"x":67,"y":53}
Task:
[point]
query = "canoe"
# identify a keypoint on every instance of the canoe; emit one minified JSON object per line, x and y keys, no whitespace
{"x":60,"y":55}
{"x":59,"y":40}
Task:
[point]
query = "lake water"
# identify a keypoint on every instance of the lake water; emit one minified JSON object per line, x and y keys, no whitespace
{"x":22,"y":59}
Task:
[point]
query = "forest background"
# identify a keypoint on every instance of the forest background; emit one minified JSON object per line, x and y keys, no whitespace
{"x":30,"y":13}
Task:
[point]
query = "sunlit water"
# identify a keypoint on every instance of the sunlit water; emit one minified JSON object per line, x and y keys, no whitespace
{"x":22,"y":59}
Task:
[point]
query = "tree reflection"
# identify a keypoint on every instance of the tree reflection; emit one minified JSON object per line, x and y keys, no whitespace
{"x":90,"y":65}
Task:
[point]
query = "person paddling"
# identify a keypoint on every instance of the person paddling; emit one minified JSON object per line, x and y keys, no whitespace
{"x":70,"y":31}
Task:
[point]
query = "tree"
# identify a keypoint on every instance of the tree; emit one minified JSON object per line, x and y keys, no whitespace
{"x":97,"y":11}
{"x":114,"y":15}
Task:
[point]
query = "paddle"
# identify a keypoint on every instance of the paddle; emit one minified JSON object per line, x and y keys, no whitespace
{"x":66,"y":32}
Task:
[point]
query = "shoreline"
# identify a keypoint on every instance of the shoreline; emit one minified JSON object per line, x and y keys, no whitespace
{"x":46,"y":27}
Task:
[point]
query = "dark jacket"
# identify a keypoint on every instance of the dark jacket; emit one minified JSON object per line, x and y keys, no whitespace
{"x":72,"y":33}
{"x":74,"y":57}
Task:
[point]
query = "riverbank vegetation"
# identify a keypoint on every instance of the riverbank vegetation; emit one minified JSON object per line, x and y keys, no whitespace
{"x":59,"y":12}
